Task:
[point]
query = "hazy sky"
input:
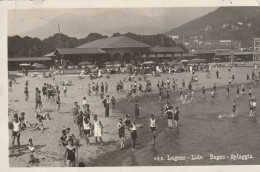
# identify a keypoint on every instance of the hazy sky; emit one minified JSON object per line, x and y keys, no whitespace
{"x":24,"y":20}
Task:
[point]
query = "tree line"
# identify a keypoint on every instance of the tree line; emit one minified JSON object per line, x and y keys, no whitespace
{"x":35,"y":47}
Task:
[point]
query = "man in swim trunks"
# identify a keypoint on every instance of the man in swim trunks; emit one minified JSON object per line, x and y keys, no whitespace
{"x":153,"y":126}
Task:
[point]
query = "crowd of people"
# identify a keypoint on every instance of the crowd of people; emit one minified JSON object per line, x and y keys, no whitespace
{"x":88,"y":124}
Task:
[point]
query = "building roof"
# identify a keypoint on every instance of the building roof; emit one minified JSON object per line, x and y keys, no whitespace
{"x":212,"y":46}
{"x":25,"y":59}
{"x":234,"y":53}
{"x":79,"y":51}
{"x":115,"y":42}
{"x":50,"y":54}
{"x":167,"y":50}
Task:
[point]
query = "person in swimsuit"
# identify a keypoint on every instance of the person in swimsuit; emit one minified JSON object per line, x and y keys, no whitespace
{"x":98,"y":129}
{"x":176,"y":116}
{"x":180,"y":93}
{"x":203,"y":91}
{"x":212,"y":94}
{"x":153,"y":126}
{"x":58,"y":101}
{"x":121,"y":132}
{"x":192,"y":96}
{"x":26,"y":92}
{"x":237,"y":92}
{"x":133,"y":131}
{"x":65,"y":91}
{"x":16,"y":131}
{"x":71,"y":154}
{"x":243,"y":90}
{"x":113,"y":102}
{"x":137,"y":110}
{"x":169,"y":114}
{"x":234,"y":108}
{"x":228,"y":89}
{"x":86,"y":129}
{"x":250,"y":92}
{"x":63,"y":139}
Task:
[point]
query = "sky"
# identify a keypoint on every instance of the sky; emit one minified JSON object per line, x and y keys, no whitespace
{"x":25,"y":20}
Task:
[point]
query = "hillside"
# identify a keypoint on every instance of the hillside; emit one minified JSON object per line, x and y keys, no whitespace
{"x":240,"y":23}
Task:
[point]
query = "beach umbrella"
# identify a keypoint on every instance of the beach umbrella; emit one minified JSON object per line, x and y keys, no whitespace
{"x":84,"y":63}
{"x":24,"y":64}
{"x":149,"y":62}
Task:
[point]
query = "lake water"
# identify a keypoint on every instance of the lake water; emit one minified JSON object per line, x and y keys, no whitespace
{"x":201,"y":136}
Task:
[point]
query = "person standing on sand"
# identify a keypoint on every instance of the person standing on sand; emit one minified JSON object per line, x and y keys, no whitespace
{"x":58,"y":101}
{"x":153,"y":126}
{"x":106,"y":87}
{"x":137,"y":110}
{"x":75,"y":111}
{"x":79,"y":118}
{"x":133,"y":131}
{"x":65,"y":91}
{"x":121,"y":132}
{"x":71,"y":154}
{"x":26,"y":92}
{"x":86,"y":129}
{"x":203,"y":91}
{"x":16,"y":128}
{"x":98,"y":129}
{"x":113,"y":102}
{"x":10,"y":85}
{"x":106,"y":105}
{"x":183,"y":83}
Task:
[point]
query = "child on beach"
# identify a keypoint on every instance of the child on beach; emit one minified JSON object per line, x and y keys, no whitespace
{"x":39,"y":125}
{"x":121,"y":132}
{"x":71,"y":154}
{"x":31,"y":148}
{"x":63,"y":139}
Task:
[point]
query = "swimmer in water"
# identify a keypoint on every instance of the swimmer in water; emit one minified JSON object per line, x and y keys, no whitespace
{"x":234,"y":109}
{"x":192,"y":96}
{"x":203,"y":91}
{"x":237,"y":92}
{"x":180,"y":93}
{"x":212,"y":93}
{"x":185,"y":99}
{"x":243,"y":90}
{"x":228,"y":89}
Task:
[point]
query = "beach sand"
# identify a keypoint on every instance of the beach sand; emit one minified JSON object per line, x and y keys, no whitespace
{"x":47,"y":148}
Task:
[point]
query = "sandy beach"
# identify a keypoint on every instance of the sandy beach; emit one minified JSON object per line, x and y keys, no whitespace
{"x":47,"y":149}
